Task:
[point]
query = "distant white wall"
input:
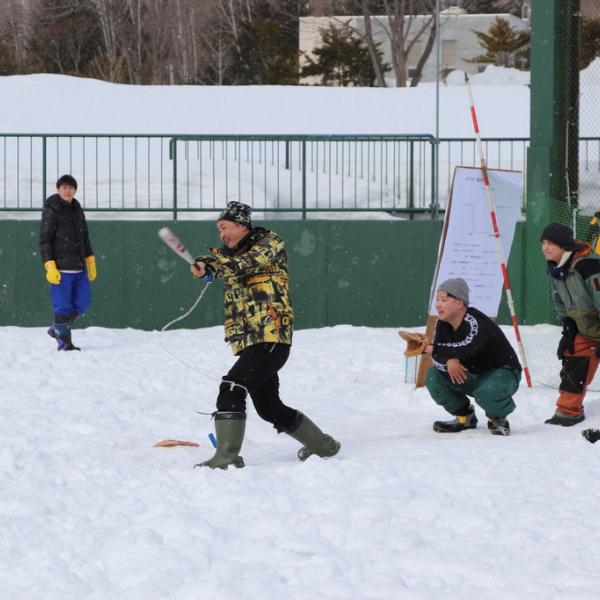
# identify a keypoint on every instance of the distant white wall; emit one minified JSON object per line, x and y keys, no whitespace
{"x":458,"y":40}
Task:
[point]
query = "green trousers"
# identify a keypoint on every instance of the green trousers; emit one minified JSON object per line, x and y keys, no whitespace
{"x":492,"y":390}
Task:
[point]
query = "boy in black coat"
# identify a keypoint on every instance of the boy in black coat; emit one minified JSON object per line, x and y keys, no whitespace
{"x":68,"y":259}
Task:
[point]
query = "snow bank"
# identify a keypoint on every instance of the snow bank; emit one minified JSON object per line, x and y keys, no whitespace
{"x":61,"y":104}
{"x":492,"y":75}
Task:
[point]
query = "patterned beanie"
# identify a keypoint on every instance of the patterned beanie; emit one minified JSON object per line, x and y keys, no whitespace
{"x":237,"y":212}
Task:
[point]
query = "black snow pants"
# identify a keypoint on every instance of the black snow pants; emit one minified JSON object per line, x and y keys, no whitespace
{"x":256,"y":370}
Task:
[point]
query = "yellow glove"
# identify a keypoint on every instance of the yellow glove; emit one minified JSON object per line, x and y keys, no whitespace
{"x":52,"y":273}
{"x":90,"y":262}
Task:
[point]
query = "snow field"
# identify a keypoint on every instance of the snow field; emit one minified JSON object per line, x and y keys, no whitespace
{"x":89,"y":509}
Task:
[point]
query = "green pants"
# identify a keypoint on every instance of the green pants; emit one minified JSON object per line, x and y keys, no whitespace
{"x":492,"y":390}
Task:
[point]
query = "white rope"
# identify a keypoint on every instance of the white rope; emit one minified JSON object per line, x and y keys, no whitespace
{"x":183,"y":362}
{"x":189,"y":312}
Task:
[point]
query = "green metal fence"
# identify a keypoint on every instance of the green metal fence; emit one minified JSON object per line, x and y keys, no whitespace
{"x":275,"y":174}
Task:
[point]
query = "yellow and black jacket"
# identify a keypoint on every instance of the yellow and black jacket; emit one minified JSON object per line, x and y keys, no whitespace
{"x":256,"y":295}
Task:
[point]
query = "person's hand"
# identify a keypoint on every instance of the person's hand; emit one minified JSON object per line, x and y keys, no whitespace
{"x":52,"y":272}
{"x":428,"y":349}
{"x":198,"y":269}
{"x":457,"y":371}
{"x":567,"y":341}
{"x":90,"y":263}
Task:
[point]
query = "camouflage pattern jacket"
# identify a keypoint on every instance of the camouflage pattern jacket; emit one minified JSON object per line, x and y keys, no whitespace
{"x":256,"y":296}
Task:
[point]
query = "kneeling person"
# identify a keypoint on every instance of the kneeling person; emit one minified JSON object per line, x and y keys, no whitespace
{"x":471,"y":357}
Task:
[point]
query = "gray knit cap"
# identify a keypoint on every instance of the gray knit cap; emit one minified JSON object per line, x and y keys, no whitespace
{"x":457,"y":288}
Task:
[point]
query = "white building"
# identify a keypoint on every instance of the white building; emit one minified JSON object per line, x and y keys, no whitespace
{"x":458,"y":40}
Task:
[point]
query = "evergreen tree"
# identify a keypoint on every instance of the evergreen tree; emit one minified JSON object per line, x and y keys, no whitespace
{"x":504,"y":45}
{"x":268,"y":50}
{"x":341,"y":60}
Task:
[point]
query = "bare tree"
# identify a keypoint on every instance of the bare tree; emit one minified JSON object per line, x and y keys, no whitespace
{"x":110,"y":65}
{"x":371,"y":46}
{"x":15,"y":29}
{"x":405,"y":24}
{"x":404,"y":30}
{"x":134,"y":10}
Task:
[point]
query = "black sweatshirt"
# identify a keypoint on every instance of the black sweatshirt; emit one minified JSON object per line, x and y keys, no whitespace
{"x":478,"y":343}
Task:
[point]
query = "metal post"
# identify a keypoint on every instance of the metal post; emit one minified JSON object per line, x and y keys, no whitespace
{"x":173,"y":157}
{"x":436,"y":167}
{"x":44,"y":159}
{"x":411,"y":177}
{"x":304,"y":179}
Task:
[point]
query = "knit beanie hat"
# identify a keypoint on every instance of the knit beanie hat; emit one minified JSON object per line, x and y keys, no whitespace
{"x":457,"y":288}
{"x":237,"y":212}
{"x":559,"y":234}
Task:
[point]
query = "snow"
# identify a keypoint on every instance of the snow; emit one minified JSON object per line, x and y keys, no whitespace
{"x":492,"y":75}
{"x":89,"y":509}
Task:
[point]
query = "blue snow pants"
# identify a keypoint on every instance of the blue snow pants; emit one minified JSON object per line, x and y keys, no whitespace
{"x":72,"y":296}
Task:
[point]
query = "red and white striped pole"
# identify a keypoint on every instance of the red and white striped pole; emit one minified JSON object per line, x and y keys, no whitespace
{"x":490,"y":197}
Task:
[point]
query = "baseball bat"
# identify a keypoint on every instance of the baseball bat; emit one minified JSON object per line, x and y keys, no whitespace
{"x":171,"y":240}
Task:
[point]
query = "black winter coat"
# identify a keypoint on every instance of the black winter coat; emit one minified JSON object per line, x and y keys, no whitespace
{"x":64,"y":234}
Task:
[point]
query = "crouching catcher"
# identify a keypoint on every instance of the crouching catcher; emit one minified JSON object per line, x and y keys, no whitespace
{"x":471,"y":357}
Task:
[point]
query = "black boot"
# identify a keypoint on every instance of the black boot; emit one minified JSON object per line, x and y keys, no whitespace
{"x":65,"y":343}
{"x":559,"y":418}
{"x":230,"y":428}
{"x":61,"y":332}
{"x":313,"y":439}
{"x":591,"y":435}
{"x":499,"y":425}
{"x":459,"y":423}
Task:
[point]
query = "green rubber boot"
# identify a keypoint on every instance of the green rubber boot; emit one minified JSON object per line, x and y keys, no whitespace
{"x":313,"y":439}
{"x":230,"y":428}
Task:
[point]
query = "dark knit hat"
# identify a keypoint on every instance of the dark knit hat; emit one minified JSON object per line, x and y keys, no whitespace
{"x":457,"y":288}
{"x":237,"y":213}
{"x":559,"y":234}
{"x":66,"y":180}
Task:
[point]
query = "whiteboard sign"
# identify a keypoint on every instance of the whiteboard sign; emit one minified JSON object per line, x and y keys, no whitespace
{"x":468,"y":248}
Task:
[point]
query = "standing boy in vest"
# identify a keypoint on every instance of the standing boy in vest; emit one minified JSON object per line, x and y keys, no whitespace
{"x":574,"y":272}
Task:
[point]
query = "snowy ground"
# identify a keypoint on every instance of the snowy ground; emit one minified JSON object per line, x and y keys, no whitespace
{"x":89,"y":509}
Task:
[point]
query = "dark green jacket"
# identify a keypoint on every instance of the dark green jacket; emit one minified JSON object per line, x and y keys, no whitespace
{"x":576,"y":293}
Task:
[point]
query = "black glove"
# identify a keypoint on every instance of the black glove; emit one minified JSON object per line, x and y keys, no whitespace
{"x":567,"y":341}
{"x":591,"y":435}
